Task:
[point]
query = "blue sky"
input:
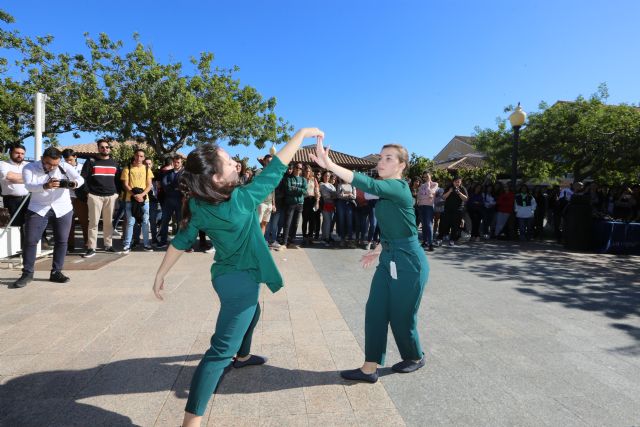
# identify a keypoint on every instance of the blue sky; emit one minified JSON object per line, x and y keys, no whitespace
{"x":370,"y":73}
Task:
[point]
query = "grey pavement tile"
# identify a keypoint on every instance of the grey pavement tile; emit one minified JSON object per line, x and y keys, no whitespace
{"x":593,"y":414}
{"x":30,"y":412}
{"x":231,"y":421}
{"x":344,"y":419}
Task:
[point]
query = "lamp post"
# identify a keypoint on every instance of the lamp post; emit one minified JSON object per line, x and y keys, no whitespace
{"x":517,"y":119}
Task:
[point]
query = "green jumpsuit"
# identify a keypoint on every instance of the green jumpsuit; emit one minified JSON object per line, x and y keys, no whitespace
{"x":401,"y":275}
{"x":242,"y":262}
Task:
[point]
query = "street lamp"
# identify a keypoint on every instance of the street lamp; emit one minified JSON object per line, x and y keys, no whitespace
{"x":517,"y":119}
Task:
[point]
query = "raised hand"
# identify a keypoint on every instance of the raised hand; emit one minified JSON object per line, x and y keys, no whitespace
{"x":322,"y":155}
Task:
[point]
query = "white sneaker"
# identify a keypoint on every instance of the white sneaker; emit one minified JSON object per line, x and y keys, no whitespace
{"x":368,"y":247}
{"x":451,"y":243}
{"x":276,"y":246}
{"x":116,"y":233}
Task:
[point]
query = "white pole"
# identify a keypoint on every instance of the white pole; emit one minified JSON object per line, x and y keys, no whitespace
{"x":39,"y":124}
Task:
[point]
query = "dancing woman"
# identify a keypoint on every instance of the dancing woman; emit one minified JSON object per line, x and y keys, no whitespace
{"x":399,"y":279}
{"x":216,"y":204}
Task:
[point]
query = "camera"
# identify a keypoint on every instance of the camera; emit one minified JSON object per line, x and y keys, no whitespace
{"x":67,"y":183}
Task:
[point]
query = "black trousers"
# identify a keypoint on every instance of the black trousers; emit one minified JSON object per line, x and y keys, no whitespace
{"x":35,"y":225}
{"x":12,"y":203}
{"x":450,"y":224}
{"x":291,"y":222}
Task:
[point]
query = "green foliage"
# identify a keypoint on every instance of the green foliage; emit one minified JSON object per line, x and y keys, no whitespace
{"x":141,"y":98}
{"x":130,"y":95}
{"x":419,"y":164}
{"x":586,"y":138}
{"x":123,"y":153}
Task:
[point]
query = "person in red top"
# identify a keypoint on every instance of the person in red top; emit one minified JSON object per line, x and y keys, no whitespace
{"x":504,"y":208}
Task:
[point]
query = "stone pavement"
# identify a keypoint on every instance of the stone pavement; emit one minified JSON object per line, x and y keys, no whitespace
{"x":514,"y":336}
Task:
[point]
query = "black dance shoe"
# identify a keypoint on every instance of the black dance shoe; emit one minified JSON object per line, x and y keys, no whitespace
{"x":358,"y":375}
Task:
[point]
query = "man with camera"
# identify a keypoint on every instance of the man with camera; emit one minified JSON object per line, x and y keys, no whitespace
{"x":48,"y":180}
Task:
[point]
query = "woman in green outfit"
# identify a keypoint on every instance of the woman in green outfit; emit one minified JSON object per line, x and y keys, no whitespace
{"x":399,"y":279}
{"x":216,"y":204}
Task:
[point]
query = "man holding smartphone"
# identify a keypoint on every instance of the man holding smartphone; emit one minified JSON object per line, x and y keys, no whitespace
{"x":454,"y":200}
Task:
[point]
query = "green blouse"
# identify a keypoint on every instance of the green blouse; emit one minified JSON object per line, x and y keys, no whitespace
{"x":234,"y":230}
{"x":394,"y":211}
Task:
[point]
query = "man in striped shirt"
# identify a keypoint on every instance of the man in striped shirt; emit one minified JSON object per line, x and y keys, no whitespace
{"x":100,"y":177}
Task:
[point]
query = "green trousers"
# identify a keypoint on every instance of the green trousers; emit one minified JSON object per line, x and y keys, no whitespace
{"x":394,"y":298}
{"x":239,"y":314}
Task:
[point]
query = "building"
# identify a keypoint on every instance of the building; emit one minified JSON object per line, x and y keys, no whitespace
{"x":90,"y":149}
{"x":459,"y":153}
{"x":345,"y":160}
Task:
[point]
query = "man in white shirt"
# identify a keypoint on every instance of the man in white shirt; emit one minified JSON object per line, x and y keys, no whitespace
{"x":48,"y":180}
{"x":13,"y":189}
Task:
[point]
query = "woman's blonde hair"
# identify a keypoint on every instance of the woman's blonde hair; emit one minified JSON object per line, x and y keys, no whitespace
{"x":403,"y":155}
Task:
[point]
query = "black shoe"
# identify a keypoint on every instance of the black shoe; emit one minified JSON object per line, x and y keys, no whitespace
{"x":407,"y":366}
{"x":430,"y":248}
{"x":22,"y":281}
{"x":89,"y":253}
{"x":58,"y":277}
{"x":109,"y":249}
{"x":252,"y":360}
{"x":148,"y":249}
{"x":358,"y":375}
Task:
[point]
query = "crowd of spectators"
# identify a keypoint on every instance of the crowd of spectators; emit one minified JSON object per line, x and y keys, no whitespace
{"x":57,"y":192}
{"x":330,"y":212}
{"x":336,"y":214}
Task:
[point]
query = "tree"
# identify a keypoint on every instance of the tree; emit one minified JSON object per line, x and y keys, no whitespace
{"x":585,"y":138}
{"x":418,"y":165}
{"x":42,"y":71}
{"x":169,"y":109}
{"x":130,"y":96}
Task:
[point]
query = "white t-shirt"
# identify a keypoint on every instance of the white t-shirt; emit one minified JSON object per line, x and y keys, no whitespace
{"x":9,"y":188}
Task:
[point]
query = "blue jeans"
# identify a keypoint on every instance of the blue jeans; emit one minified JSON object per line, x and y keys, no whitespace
{"x":170,"y":207}
{"x":344,"y":212}
{"x":271,"y":232}
{"x":426,"y":217}
{"x":525,"y":228}
{"x":153,"y":219}
{"x":367,"y":223}
{"x":131,"y":221}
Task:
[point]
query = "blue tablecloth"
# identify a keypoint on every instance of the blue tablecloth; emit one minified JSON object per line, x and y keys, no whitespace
{"x":615,"y":237}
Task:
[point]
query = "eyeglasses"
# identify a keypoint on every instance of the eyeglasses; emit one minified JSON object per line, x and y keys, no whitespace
{"x":104,"y":147}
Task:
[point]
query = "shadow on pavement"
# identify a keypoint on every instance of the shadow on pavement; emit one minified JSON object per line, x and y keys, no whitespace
{"x":584,"y":281}
{"x":54,"y":397}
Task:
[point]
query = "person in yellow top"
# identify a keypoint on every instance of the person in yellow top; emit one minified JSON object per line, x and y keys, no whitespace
{"x":136,"y":181}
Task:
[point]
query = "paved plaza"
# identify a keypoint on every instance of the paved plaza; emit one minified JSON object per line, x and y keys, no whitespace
{"x":514,"y":335}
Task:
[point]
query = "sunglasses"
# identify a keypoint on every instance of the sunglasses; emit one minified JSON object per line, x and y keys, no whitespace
{"x":105,"y":147}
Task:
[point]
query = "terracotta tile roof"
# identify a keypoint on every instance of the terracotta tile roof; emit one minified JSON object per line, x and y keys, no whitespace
{"x":92,"y":147}
{"x":342,"y":159}
{"x":466,"y":162}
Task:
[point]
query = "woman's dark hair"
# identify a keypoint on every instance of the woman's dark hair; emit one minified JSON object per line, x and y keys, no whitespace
{"x":68,"y":152}
{"x":197,"y":183}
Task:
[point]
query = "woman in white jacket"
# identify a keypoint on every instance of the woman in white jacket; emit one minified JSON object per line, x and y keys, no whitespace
{"x":525,"y":205}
